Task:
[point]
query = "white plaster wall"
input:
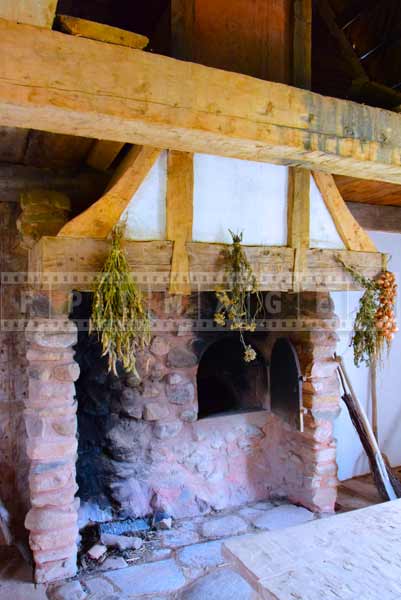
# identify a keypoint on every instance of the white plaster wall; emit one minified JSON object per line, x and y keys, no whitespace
{"x":323,"y":232}
{"x":146,"y":213}
{"x":350,"y":456}
{"x":231,"y":194}
{"x":242,"y":196}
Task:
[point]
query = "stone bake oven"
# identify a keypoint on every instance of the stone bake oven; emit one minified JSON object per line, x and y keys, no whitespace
{"x":202,"y":429}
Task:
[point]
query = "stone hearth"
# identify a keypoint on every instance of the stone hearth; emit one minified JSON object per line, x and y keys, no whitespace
{"x":143,"y":444}
{"x":184,"y":562}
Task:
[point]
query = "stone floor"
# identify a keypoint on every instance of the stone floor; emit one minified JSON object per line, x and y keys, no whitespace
{"x":183,"y":563}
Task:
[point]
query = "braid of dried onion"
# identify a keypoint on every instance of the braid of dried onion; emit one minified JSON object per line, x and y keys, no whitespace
{"x":375,"y":323}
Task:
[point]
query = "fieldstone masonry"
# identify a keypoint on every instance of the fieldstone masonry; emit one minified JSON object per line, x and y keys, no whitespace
{"x":51,"y":428}
{"x":153,"y":453}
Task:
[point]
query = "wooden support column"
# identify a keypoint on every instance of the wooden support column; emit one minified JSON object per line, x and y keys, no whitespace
{"x":180,"y":183}
{"x":299,"y":179}
{"x":299,"y":220}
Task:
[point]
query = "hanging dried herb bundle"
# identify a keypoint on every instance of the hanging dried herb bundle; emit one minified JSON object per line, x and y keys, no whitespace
{"x":375,"y":323}
{"x":234,"y":309}
{"x":118,"y":313}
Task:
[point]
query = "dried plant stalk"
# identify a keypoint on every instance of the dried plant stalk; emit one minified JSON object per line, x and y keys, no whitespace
{"x":234,"y":309}
{"x":118,"y":313}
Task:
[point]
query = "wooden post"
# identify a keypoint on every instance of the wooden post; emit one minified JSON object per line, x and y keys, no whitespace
{"x":373,"y":385}
{"x":180,"y":181}
{"x":299,"y":179}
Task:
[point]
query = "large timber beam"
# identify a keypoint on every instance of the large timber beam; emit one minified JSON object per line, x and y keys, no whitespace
{"x":60,"y":83}
{"x":74,"y":263}
{"x":377,"y":218}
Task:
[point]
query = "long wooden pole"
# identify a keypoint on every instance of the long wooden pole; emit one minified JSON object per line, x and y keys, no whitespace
{"x":373,"y":386}
{"x":368,"y":440}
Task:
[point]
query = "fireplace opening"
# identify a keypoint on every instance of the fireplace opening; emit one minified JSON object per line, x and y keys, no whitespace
{"x":286,"y":383}
{"x":228,"y":384}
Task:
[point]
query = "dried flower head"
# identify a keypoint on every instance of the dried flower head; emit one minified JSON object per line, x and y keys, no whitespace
{"x":249,"y":354}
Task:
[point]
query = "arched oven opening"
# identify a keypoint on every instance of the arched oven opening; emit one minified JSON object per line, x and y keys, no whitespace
{"x":228,"y":384}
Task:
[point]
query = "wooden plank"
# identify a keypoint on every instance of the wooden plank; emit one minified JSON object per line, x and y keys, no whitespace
{"x":99,"y":219}
{"x":323,"y":268}
{"x":377,"y":218}
{"x":272,"y":265}
{"x":82,"y":188}
{"x":362,"y":487}
{"x":13,"y":144}
{"x":179,"y":209}
{"x":369,"y":192}
{"x":351,"y":233}
{"x":72,"y":261}
{"x":302,"y":62}
{"x":217,"y":112}
{"x":56,"y":151}
{"x":298,"y":220}
{"x":32,"y":12}
{"x":182,"y":28}
{"x":253,"y":38}
{"x":103,"y":153}
{"x":101,"y":32}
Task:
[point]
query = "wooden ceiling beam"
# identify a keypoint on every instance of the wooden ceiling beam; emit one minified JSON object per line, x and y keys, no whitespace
{"x":127,"y":95}
{"x":377,"y":218}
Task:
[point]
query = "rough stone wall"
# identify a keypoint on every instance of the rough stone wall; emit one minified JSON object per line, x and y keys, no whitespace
{"x":13,"y":387}
{"x":51,"y":428}
{"x":152,"y":453}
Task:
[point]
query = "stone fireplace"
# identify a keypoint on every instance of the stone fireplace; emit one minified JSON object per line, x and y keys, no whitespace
{"x":202,"y":430}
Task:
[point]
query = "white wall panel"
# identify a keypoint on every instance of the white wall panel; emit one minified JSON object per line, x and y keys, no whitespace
{"x":146,"y":213}
{"x":242,"y":196}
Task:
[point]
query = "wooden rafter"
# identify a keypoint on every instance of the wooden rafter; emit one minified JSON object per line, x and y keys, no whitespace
{"x":163,"y":102}
{"x":99,"y":219}
{"x":362,"y":89}
{"x":351,"y":233}
{"x":72,"y":263}
{"x":179,"y":205}
{"x":103,"y":153}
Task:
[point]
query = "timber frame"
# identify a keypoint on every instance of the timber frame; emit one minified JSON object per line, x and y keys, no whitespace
{"x":167,"y":103}
{"x":64,"y":263}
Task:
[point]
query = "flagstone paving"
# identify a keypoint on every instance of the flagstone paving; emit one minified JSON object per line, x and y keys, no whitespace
{"x":187,"y":561}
